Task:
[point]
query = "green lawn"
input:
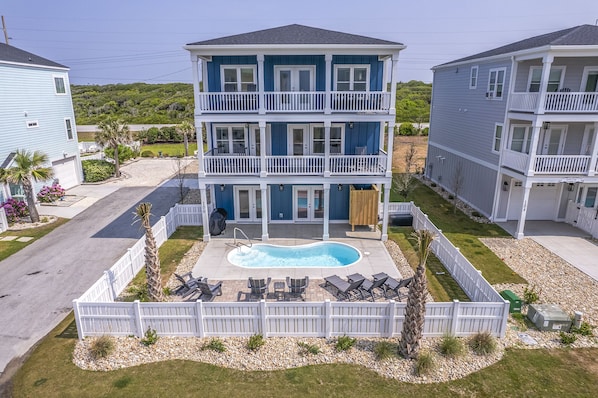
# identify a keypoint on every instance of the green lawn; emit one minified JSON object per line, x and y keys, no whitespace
{"x":86,"y":136}
{"x":169,"y":149}
{"x":463,"y":232}
{"x":49,"y":372}
{"x":8,"y":248}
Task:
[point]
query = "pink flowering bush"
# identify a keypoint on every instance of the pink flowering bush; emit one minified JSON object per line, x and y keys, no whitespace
{"x":15,"y":210}
{"x":50,"y":194}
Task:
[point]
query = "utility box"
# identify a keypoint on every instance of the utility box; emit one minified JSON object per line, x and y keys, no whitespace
{"x":513,"y":299}
{"x":549,"y":317}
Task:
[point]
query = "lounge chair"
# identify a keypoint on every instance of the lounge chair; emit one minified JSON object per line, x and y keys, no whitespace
{"x":188,"y":283}
{"x":344,"y":289}
{"x":259,"y":287}
{"x":208,"y":292}
{"x":297,"y":287}
{"x":370,"y":287}
{"x":393,"y":285}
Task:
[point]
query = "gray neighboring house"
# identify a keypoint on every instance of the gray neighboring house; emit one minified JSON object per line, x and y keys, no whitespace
{"x":514,"y":129}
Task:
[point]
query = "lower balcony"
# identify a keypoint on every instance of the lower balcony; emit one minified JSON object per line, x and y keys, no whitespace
{"x":374,"y":165}
{"x":548,"y":164}
{"x":559,"y":102}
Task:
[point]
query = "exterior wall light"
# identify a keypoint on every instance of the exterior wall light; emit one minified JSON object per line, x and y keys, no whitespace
{"x":222,"y":186}
{"x":281,"y":187}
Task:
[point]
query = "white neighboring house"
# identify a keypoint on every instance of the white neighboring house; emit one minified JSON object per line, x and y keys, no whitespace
{"x":36,"y":113}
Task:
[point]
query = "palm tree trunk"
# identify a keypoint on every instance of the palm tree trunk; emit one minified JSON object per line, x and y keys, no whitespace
{"x":28,"y":189}
{"x":116,"y":162}
{"x":152,"y":260}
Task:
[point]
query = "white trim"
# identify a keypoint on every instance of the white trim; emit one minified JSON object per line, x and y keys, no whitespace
{"x":64,"y":83}
{"x":294,"y":69}
{"x":588,"y":139}
{"x":562,"y":68}
{"x":352,"y":68}
{"x":502,"y":135}
{"x":231,"y":148}
{"x":252,"y":189}
{"x":332,"y":125}
{"x":527,"y":137}
{"x":34,"y":65}
{"x":471,"y":77}
{"x":306,"y":140}
{"x":238,"y":69}
{"x":66,"y":129}
{"x":584,"y":80}
{"x":491,"y":94}
{"x":562,"y":138}
{"x":252,"y":139}
{"x":310,"y":199}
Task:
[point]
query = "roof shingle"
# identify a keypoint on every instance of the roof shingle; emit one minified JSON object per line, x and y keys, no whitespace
{"x":13,"y":54}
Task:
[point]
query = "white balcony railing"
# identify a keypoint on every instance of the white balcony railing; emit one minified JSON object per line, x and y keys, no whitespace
{"x":301,"y":165}
{"x":230,"y":165}
{"x":561,"y":164}
{"x":515,"y":160}
{"x":358,"y":164}
{"x":295,"y":101}
{"x":354,"y":101}
{"x":561,"y":102}
{"x":228,"y":102}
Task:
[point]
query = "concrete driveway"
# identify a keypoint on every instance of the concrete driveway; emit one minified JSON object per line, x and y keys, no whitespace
{"x":39,"y":282}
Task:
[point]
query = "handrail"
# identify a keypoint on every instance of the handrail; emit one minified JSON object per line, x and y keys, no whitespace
{"x":241,"y":243}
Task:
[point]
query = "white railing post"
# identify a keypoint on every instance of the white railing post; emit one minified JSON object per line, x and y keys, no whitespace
{"x":199,"y":318}
{"x":263,"y":318}
{"x":137,"y":315}
{"x":455,"y":317}
{"x":78,"y":322}
{"x":505,"y":317}
{"x":328,"y":82}
{"x":327,"y":318}
{"x":392,"y":310}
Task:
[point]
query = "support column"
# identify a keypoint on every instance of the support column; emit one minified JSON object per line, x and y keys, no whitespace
{"x":389,"y":147}
{"x":594,"y":154}
{"x":382,"y":137}
{"x":260,"y":84}
{"x":546,"y":64}
{"x":263,"y":164}
{"x":326,"y":233}
{"x":385,"y":212}
{"x":199,"y":137}
{"x":393,"y":85}
{"x":196,"y":79}
{"x":327,"y":125}
{"x":265,"y":211}
{"x":205,"y":216}
{"x":328,"y":81}
{"x":531,"y":159}
{"x":521,"y":221}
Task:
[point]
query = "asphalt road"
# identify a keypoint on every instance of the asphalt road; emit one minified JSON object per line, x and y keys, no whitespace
{"x":39,"y":283}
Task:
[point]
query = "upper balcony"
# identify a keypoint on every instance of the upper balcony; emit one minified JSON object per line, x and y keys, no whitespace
{"x":375,"y":102}
{"x":559,"y":102}
{"x":549,"y":164}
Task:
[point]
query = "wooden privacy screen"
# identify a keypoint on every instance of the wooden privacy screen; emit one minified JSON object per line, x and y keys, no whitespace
{"x":363,"y":206}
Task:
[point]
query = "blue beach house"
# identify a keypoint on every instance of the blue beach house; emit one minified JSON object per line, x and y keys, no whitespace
{"x":295,"y":120}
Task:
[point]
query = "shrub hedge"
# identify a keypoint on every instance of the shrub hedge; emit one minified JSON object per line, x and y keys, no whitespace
{"x":95,"y":170}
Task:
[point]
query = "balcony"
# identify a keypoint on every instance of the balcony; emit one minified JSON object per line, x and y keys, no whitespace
{"x":548,"y":164}
{"x":560,"y":102}
{"x":295,"y":102}
{"x":359,"y":165}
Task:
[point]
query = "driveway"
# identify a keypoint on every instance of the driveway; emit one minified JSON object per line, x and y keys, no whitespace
{"x":39,"y":283}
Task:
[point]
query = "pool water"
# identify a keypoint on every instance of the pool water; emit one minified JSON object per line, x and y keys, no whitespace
{"x":320,"y":254}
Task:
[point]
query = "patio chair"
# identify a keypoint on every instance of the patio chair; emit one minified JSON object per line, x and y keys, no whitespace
{"x":297,"y":287}
{"x":344,"y":289}
{"x":188,"y":283}
{"x":259,"y":287}
{"x":393,"y":285}
{"x":208,"y":292}
{"x":370,"y":287}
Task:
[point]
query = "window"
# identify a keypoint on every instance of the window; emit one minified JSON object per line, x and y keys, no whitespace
{"x":31,"y":124}
{"x":59,"y":85}
{"x":318,"y":139}
{"x":554,"y":79}
{"x":69,"y":129}
{"x":497,"y":137}
{"x":230,"y":139}
{"x":520,"y":139}
{"x":496,"y":83}
{"x":473,"y":77}
{"x":240,"y":78}
{"x":352,"y":77}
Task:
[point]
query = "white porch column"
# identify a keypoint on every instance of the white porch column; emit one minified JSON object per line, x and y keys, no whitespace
{"x":196,"y":79}
{"x":531,"y":160}
{"x":385,"y":212}
{"x":327,"y":124}
{"x":263,"y":164}
{"x":393,"y":85}
{"x":326,"y":233}
{"x":328,"y":80}
{"x":389,"y":147}
{"x":521,"y":221}
{"x":546,"y":64}
{"x":199,"y":136}
{"x":592,"y":169}
{"x":382,"y":127}
{"x":260,"y":84}
{"x":265,"y":211}
{"x":205,"y":216}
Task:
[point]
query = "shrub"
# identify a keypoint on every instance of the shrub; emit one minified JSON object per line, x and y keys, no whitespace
{"x":124,"y":153}
{"x":482,"y":343}
{"x":51,"y":194}
{"x":139,"y":292}
{"x":385,"y":350}
{"x":15,"y":210}
{"x":214,"y":345}
{"x":451,"y":346}
{"x":147,"y":154}
{"x":255,"y":342}
{"x":585,"y":329}
{"x":344,"y":343}
{"x":95,"y":170}
{"x":451,"y":197}
{"x":531,"y":295}
{"x":425,"y":363}
{"x":425,"y":131}
{"x":433,"y":185}
{"x":151,"y":337}
{"x":476,"y":214}
{"x":407,"y":129}
{"x":305,"y":348}
{"x":567,"y":338}
{"x":101,"y":347}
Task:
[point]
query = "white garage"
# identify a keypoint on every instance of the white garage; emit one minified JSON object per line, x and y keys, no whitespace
{"x":65,"y":170}
{"x":542,"y":204}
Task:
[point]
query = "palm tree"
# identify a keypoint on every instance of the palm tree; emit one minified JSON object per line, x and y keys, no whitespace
{"x":152,"y":261}
{"x":28,"y":167}
{"x":186,"y":128}
{"x":112,"y":132}
{"x":413,"y":326}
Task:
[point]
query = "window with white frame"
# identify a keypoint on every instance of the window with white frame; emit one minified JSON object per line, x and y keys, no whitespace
{"x":59,"y":85}
{"x":473,"y":77}
{"x":336,"y":139}
{"x":68,"y":124}
{"x":496,"y":83}
{"x":352,"y":77}
{"x":555,"y":78}
{"x":230,"y":140}
{"x":497,"y":137}
{"x":238,"y":78}
{"x":520,"y":139}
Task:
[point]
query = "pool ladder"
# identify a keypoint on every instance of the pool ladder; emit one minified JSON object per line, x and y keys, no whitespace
{"x":239,"y":244}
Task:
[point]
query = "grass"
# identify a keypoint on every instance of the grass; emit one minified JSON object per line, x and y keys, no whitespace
{"x":86,"y":136}
{"x":49,"y":372}
{"x":170,"y":149}
{"x":463,"y":232}
{"x":8,"y":248}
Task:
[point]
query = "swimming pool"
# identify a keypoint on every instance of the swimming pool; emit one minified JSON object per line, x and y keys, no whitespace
{"x":319,"y":254}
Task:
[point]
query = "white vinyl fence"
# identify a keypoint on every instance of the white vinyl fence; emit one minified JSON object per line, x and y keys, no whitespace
{"x":96,"y":313}
{"x":3,"y":220}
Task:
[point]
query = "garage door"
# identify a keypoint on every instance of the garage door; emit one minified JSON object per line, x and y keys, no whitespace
{"x":66,"y":172}
{"x":542,"y":203}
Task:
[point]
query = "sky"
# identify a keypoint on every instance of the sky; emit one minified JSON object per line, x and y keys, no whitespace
{"x":125,"y":41}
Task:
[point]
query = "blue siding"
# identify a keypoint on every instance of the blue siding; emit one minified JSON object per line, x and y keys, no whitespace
{"x":362,"y":134}
{"x":281,"y":202}
{"x":279,"y":139}
{"x":214,"y":82}
{"x":270,"y":61}
{"x":376,"y":68}
{"x":224,"y":199}
{"x":339,"y":202}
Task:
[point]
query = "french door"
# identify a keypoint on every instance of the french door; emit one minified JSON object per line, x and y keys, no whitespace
{"x":298,"y":139}
{"x":248,"y":203}
{"x":294,"y":78}
{"x":308,"y":203}
{"x":553,"y":141}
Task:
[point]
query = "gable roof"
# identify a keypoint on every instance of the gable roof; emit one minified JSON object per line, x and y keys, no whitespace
{"x":582,"y":35}
{"x":16,"y":55}
{"x":293,"y":34}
